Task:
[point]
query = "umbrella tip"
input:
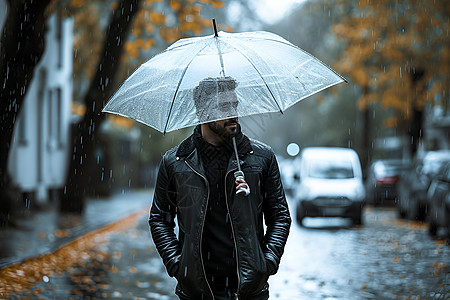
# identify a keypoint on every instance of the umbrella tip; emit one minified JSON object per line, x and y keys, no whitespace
{"x":215,"y":27}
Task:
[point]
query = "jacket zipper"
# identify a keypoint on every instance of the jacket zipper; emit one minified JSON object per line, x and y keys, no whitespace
{"x":203,"y":226}
{"x":234,"y":235}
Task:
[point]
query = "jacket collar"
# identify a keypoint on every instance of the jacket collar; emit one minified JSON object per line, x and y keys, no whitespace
{"x":188,"y":146}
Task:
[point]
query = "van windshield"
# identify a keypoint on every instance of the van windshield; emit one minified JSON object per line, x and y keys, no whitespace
{"x":330,"y":169}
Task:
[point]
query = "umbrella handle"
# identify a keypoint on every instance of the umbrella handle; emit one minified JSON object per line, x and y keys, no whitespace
{"x":239,"y":174}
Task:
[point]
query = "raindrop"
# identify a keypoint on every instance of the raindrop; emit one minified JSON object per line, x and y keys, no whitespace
{"x":129,"y":183}
{"x":45,"y":279}
{"x":185,"y":271}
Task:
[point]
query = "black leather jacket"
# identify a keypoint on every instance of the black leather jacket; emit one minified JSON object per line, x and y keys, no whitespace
{"x":182,"y":190}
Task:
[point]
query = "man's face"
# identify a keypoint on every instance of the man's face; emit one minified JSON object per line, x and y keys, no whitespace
{"x":226,"y":129}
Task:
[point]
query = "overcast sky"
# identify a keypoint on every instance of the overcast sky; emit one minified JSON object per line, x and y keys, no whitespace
{"x":273,"y":10}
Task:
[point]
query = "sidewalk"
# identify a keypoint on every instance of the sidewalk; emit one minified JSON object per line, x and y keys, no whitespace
{"x":105,"y":253}
{"x":39,"y":232}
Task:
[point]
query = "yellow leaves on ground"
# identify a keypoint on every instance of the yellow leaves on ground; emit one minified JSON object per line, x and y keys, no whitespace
{"x":363,"y":287}
{"x":132,"y":270}
{"x":439,"y":268}
{"x":396,"y":259}
{"x":114,"y":269}
{"x":21,"y":276}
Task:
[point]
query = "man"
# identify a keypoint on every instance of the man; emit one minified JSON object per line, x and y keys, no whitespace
{"x":221,"y":251}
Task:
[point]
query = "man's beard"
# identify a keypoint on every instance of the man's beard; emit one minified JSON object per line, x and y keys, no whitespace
{"x":222,"y":131}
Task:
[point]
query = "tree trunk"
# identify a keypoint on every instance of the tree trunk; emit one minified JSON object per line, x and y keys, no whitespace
{"x":85,"y":139}
{"x":366,"y":135}
{"x":416,"y":125}
{"x":416,"y":130}
{"x":21,"y":47}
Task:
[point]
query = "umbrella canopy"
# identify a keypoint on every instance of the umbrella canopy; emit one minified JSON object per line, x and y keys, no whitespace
{"x":260,"y":71}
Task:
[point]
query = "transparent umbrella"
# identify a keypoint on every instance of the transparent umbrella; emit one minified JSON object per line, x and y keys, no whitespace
{"x":270,"y":75}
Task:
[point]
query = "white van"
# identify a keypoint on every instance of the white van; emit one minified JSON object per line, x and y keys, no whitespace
{"x":331,"y":184}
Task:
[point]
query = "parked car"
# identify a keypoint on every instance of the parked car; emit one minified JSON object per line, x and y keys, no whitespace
{"x":331,"y":184}
{"x":287,"y":172}
{"x":414,"y":183}
{"x":382,"y":178}
{"x":439,"y":201}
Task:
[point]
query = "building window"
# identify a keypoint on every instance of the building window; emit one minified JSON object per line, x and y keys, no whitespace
{"x":59,"y":40}
{"x":54,"y":117}
{"x":23,"y":127}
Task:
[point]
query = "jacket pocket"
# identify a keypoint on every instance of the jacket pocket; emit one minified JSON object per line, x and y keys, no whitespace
{"x":254,"y":273}
{"x":183,"y":295}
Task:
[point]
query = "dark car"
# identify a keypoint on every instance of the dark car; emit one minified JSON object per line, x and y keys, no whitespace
{"x":382,"y":179}
{"x":439,"y":202}
{"x":413,"y":186}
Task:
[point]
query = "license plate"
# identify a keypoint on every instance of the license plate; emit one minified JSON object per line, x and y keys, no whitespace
{"x":332,"y":211}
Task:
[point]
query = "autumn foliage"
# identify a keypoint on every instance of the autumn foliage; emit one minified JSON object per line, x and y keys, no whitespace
{"x":398,"y":53}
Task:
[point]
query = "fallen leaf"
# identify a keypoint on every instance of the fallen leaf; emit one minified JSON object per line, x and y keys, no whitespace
{"x":363,"y":287}
{"x":396,"y":259}
{"x":114,"y":269}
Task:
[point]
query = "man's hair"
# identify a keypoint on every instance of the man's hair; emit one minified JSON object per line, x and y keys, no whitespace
{"x":209,"y":88}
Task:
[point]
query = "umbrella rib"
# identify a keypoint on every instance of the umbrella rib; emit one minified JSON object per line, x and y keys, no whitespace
{"x":178,"y":87}
{"x":260,"y":75}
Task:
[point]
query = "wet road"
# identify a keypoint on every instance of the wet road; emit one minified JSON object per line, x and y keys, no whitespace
{"x":385,"y":258}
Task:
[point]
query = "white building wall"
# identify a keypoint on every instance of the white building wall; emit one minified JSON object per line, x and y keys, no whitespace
{"x":40,"y":150}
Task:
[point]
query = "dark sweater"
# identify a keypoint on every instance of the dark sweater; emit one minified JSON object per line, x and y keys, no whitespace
{"x":217,"y":246}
